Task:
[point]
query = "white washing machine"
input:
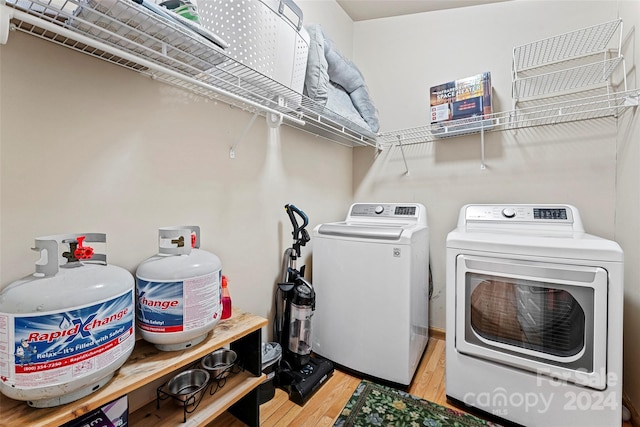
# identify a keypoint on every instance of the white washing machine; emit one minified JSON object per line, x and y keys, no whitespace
{"x":370,"y":274}
{"x":534,"y":317}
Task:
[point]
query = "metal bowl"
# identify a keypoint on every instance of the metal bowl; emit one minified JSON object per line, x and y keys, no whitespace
{"x":188,"y":386}
{"x":219,"y":362}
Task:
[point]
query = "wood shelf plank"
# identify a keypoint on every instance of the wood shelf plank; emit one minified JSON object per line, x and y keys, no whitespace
{"x":171,"y":414}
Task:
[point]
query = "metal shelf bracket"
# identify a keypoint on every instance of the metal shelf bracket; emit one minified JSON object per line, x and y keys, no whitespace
{"x":274,"y":120}
{"x":631,"y":100}
{"x":404,"y":159}
{"x":6,"y":14}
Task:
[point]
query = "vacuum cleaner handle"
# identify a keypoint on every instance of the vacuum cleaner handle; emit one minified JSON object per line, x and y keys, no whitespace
{"x":291,"y":211}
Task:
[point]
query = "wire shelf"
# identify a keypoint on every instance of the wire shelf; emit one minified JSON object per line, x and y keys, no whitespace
{"x":547,"y":67}
{"x":594,"y":107}
{"x":545,"y":72}
{"x":565,"y":46}
{"x":124,"y":33}
{"x":568,"y":79}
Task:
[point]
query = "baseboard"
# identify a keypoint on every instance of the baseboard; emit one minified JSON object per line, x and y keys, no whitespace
{"x":437,"y":333}
{"x":635,"y":418}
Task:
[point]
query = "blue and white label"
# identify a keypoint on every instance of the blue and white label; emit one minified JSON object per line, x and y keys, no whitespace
{"x":56,"y":347}
{"x":160,"y":306}
{"x":176,"y":306}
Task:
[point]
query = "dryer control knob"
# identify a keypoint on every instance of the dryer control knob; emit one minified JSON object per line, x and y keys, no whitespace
{"x":379,"y":209}
{"x":508,"y":212}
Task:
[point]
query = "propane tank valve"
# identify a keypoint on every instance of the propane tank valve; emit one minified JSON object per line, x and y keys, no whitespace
{"x":77,"y":250}
{"x":83,"y":252}
{"x":179,"y":241}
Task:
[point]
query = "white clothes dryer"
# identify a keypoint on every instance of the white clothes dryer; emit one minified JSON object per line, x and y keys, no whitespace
{"x":370,"y":274}
{"x":534,"y":317}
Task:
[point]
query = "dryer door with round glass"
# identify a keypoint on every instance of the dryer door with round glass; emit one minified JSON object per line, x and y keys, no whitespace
{"x":539,"y":316}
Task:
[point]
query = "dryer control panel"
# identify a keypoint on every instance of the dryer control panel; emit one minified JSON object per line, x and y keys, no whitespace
{"x":566,"y":215}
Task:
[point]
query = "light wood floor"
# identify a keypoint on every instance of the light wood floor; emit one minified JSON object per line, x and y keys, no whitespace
{"x":325,"y":406}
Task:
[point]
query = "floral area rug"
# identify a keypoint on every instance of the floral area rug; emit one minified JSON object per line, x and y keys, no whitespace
{"x":377,"y":405}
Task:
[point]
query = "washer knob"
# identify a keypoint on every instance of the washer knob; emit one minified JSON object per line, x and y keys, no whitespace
{"x":508,"y":212}
{"x":379,"y":209}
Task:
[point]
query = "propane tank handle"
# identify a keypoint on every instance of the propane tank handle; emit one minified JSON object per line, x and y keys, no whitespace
{"x":49,"y":248}
{"x":178,"y":240}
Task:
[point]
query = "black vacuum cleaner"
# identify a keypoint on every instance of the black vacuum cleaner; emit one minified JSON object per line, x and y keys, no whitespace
{"x":299,"y":373}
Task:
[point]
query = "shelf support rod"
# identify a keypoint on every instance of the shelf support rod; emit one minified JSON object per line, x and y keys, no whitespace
{"x":482,"y":164}
{"x":232,"y":150}
{"x":404,"y":159}
{"x":25,"y":17}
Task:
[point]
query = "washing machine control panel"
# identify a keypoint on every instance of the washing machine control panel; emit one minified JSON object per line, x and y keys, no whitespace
{"x":405,"y":214}
{"x":520,"y":213}
{"x":384,"y":210}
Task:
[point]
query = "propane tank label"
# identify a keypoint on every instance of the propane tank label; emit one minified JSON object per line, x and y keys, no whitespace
{"x":177,"y":306}
{"x":57,"y":347}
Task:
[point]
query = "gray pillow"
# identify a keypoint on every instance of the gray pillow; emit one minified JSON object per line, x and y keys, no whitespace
{"x":317,"y":78}
{"x":347,"y":74}
{"x":340,"y":103}
{"x":363,"y":103}
{"x":325,"y":65}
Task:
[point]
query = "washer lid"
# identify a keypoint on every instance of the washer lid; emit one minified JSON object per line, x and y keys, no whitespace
{"x":374,"y":231}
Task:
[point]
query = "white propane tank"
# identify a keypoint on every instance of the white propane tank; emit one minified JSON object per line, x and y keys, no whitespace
{"x":179,"y":298}
{"x":68,"y":327}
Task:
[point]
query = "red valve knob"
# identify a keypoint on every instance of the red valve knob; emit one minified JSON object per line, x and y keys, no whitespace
{"x":82,"y":252}
{"x":193,"y":240}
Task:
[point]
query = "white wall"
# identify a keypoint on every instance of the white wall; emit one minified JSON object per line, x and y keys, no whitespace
{"x":87,"y":146}
{"x":628,"y":207}
{"x":577,"y":163}
{"x":333,"y":19}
